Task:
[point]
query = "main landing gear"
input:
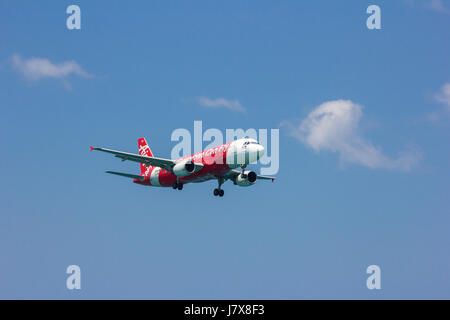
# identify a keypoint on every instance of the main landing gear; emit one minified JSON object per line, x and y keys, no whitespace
{"x":218,"y":191}
{"x":177,"y":185}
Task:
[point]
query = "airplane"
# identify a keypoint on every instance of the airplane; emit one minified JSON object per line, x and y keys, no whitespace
{"x":218,"y":163}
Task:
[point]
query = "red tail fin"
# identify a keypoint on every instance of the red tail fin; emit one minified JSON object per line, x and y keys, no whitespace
{"x":144,"y":150}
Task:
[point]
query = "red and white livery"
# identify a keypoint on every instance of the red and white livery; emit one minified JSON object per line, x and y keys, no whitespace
{"x":218,"y":163}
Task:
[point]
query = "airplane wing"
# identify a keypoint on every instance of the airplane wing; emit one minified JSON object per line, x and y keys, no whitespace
{"x":235,"y":173}
{"x":151,"y":161}
{"x":166,"y":164}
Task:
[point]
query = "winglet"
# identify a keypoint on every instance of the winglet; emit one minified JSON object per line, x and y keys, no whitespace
{"x":92,"y":148}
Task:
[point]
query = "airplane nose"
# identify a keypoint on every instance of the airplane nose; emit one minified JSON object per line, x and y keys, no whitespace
{"x":260,"y":150}
{"x":253,"y":152}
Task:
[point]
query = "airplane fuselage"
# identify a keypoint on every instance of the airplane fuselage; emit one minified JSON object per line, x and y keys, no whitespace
{"x":216,"y":162}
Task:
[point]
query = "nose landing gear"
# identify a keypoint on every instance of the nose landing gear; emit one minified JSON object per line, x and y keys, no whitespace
{"x":243,"y":166}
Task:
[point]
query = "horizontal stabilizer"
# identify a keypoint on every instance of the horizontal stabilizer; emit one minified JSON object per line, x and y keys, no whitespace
{"x":127,"y":175}
{"x":265,"y":178}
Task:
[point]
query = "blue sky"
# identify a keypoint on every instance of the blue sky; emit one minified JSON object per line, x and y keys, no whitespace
{"x":139,"y":70}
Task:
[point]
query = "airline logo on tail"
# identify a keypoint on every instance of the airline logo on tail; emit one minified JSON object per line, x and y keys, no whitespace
{"x":144,"y":150}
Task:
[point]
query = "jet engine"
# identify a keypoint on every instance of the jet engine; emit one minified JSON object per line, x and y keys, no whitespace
{"x":184,"y":168}
{"x":246,"y":179}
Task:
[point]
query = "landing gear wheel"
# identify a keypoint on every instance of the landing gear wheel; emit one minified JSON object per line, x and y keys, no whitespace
{"x":218,"y":191}
{"x":180,"y":186}
{"x":174,"y":185}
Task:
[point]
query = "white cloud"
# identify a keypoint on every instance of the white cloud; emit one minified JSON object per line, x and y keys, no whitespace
{"x":233,"y":105}
{"x":334,"y":126}
{"x":438,"y":5}
{"x":444,"y":95}
{"x":39,"y":68}
{"x":435,"y":5}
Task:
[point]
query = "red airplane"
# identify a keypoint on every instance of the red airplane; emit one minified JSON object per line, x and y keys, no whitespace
{"x":214,"y":163}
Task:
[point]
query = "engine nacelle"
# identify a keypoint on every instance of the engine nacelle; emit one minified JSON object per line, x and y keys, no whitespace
{"x":246,"y":180}
{"x":184,"y":168}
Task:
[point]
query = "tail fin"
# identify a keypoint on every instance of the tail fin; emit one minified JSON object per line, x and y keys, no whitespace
{"x":144,"y":150}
